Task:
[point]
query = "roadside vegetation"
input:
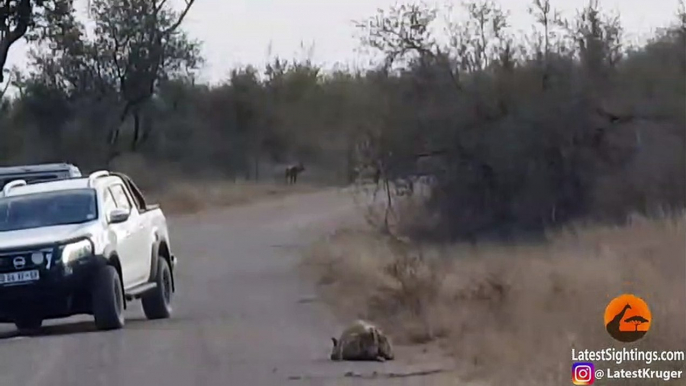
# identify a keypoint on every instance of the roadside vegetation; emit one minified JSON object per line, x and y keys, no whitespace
{"x":511,"y":314}
{"x":512,"y":181}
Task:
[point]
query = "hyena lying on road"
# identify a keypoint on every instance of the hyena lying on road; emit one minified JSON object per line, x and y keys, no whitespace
{"x":362,"y":341}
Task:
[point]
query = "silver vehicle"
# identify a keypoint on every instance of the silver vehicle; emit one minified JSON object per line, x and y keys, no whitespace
{"x":38,"y":173}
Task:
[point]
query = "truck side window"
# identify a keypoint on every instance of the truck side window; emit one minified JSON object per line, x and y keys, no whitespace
{"x":137,"y":196}
{"x":108,"y":202}
{"x":120,"y":196}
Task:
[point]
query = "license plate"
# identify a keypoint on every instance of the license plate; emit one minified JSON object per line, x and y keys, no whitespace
{"x":19,"y":277}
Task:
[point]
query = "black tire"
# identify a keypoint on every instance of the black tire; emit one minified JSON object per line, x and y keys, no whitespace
{"x":157,"y":302}
{"x":108,"y":299}
{"x":28,"y":326}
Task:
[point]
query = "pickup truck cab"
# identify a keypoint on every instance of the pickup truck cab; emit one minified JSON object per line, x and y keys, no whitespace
{"x":83,"y":245}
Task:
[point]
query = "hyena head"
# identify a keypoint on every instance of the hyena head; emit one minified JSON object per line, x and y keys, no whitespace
{"x":385,"y":347}
{"x":336,"y":352}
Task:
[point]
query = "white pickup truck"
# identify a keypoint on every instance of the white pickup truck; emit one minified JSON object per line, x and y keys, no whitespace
{"x":84,"y":245}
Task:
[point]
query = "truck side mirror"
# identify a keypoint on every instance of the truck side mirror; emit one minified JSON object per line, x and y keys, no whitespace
{"x":118,"y":215}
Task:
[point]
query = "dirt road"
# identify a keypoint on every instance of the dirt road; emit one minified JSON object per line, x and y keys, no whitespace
{"x":243,"y":315}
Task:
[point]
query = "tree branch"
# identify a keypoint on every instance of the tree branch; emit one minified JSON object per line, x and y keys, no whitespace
{"x":9,"y":37}
{"x":174,"y":26}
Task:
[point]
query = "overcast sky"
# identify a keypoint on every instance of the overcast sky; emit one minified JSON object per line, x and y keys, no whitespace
{"x":240,"y":31}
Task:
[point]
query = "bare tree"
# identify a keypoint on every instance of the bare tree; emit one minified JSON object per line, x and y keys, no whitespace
{"x":143,"y":43}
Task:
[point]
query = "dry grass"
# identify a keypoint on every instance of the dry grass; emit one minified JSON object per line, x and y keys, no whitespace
{"x":171,"y":187}
{"x":190,"y":197}
{"x":512,"y":314}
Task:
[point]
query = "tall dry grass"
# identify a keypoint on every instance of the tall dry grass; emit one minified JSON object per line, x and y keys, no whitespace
{"x":179,"y":193}
{"x":194,"y":196}
{"x":512,"y":314}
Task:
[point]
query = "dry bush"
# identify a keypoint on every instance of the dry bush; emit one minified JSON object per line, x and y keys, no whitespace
{"x":404,"y":214}
{"x":512,"y":314}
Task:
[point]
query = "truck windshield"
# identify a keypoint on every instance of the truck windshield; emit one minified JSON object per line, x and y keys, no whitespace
{"x":47,"y":209}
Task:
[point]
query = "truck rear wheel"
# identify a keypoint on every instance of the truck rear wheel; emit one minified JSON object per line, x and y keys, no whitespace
{"x":108,"y":299}
{"x":157,"y":302}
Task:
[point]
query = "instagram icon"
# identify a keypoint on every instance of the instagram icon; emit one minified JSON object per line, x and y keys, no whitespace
{"x":583,"y":373}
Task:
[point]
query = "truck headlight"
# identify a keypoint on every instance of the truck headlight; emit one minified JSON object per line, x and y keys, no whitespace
{"x":76,"y":250}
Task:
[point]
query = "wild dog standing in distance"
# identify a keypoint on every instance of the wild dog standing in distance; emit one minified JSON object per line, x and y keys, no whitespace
{"x":293,"y":171}
{"x":362,"y":341}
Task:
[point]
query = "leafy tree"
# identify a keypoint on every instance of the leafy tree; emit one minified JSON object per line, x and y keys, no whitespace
{"x":144,"y":45}
{"x":18,"y":19}
{"x":137,"y":45}
{"x":15,"y":18}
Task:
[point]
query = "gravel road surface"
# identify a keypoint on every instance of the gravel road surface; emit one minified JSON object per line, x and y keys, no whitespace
{"x":243,"y":315}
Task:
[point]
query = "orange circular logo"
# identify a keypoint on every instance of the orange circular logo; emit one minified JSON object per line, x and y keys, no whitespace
{"x":627,"y":318}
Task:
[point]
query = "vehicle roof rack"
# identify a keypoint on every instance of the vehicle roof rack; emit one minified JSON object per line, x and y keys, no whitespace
{"x":95,"y":175}
{"x":12,"y":184}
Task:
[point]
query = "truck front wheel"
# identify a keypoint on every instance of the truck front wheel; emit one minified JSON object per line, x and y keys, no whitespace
{"x":108,"y":299}
{"x":28,"y":325}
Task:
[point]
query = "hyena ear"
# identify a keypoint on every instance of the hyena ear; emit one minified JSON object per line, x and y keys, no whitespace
{"x":335,"y":341}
